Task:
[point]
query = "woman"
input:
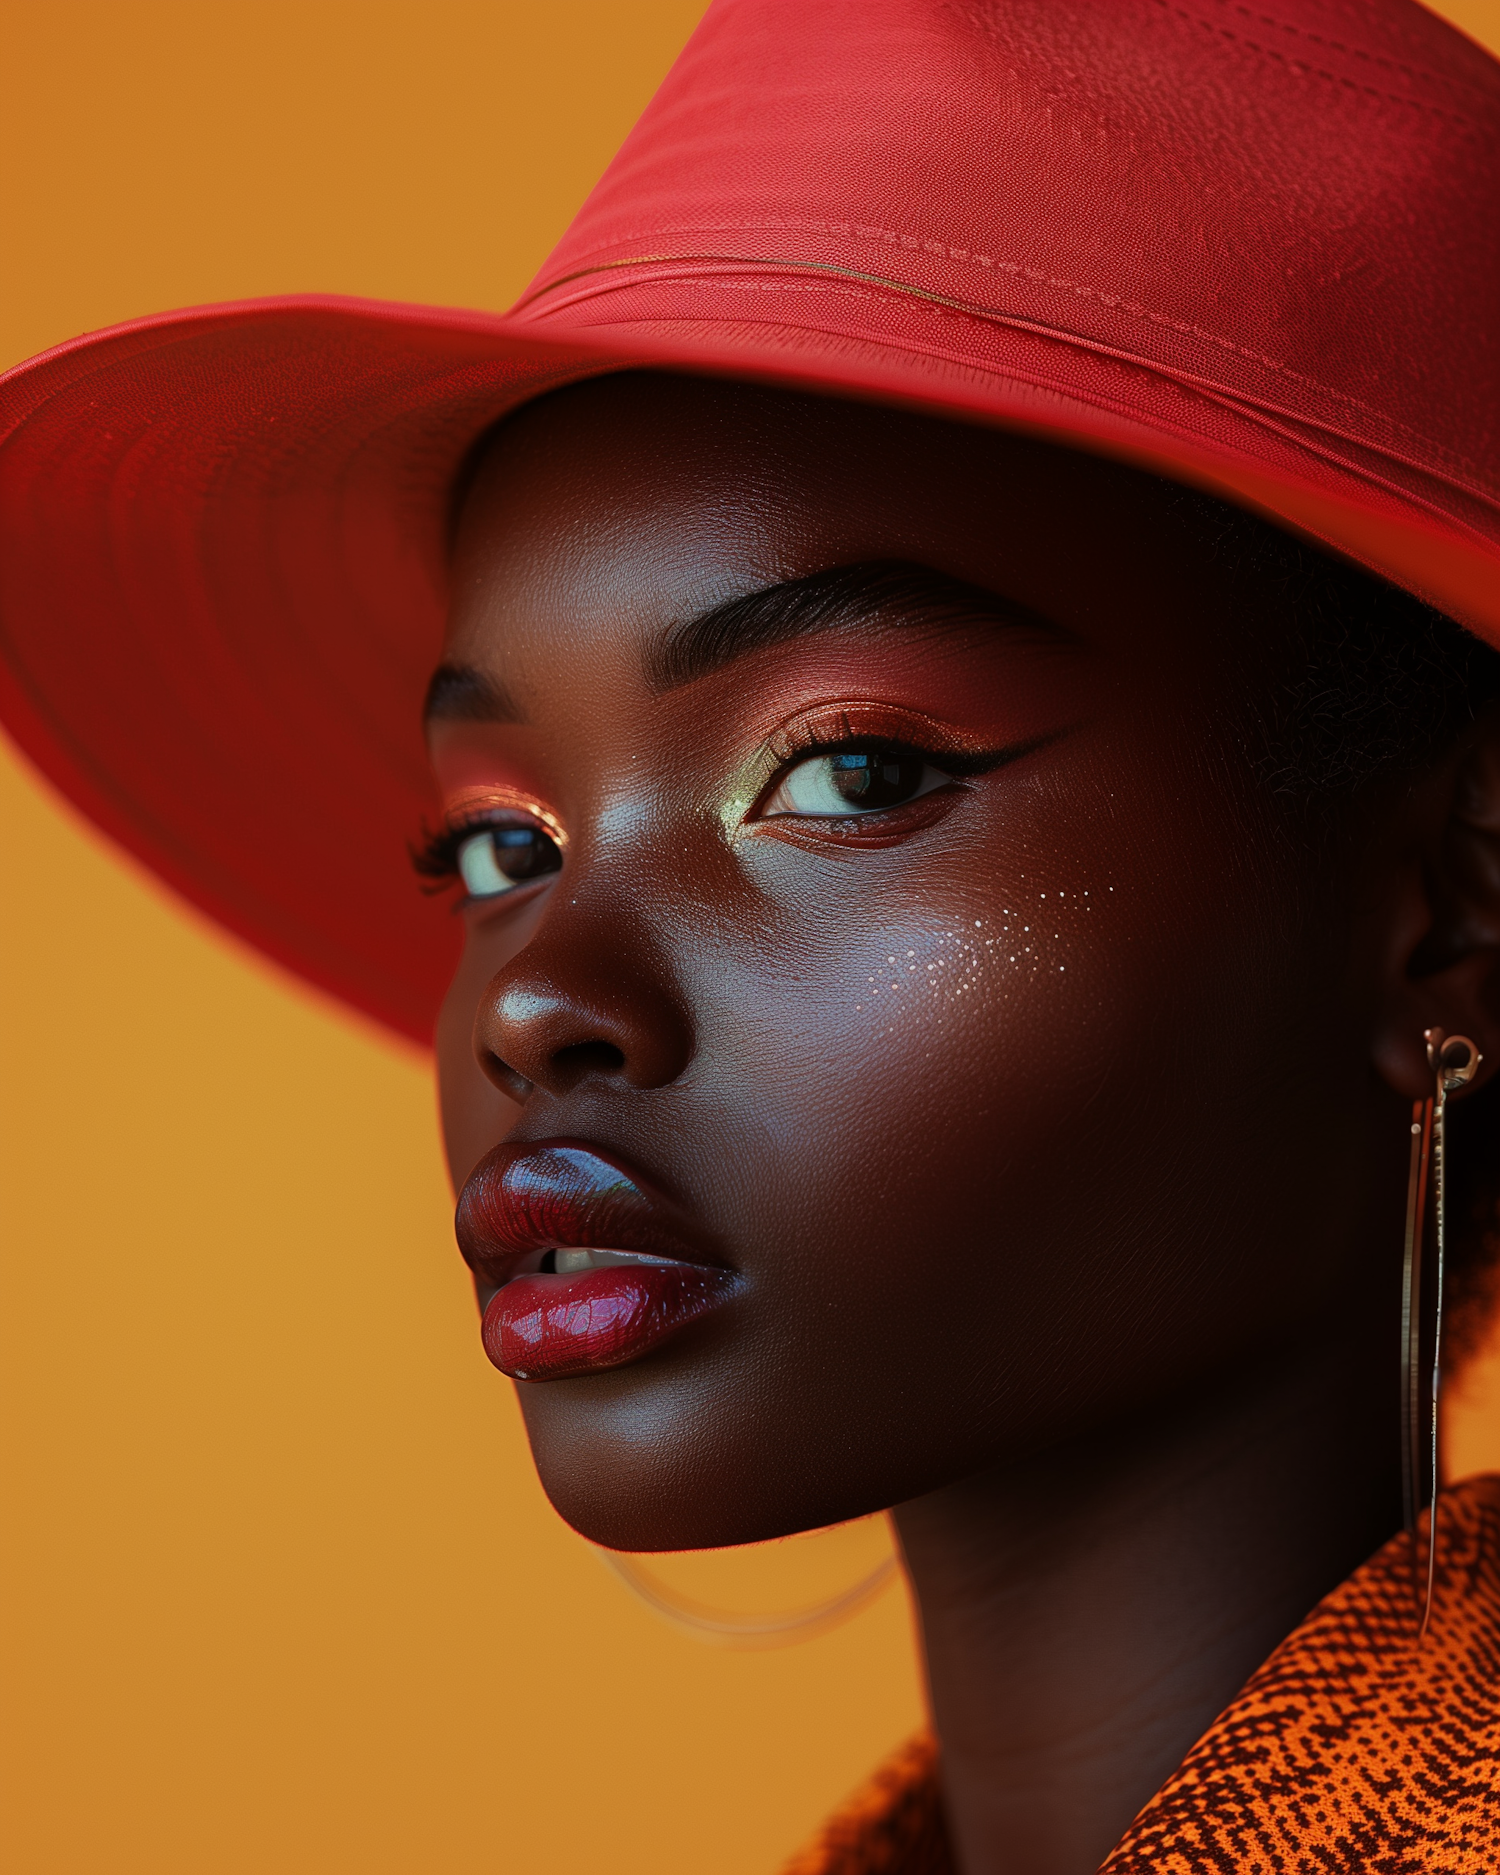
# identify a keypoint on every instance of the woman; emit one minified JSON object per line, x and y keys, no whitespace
{"x":975,"y":812}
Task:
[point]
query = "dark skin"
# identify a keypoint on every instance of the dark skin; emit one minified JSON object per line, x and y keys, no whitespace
{"x":1054,"y":1119}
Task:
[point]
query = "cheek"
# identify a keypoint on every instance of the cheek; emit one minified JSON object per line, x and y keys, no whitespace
{"x":1018,"y":949}
{"x":984,"y":1080}
{"x":921,"y":1064}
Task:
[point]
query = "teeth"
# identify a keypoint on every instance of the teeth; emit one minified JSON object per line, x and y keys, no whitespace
{"x":574,"y":1262}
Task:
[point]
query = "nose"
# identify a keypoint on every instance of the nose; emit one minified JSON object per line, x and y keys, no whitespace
{"x":547,"y":1023}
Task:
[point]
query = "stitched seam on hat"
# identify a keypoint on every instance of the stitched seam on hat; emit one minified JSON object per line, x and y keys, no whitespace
{"x":1362,"y":12}
{"x":1417,"y":72}
{"x":824,"y":286}
{"x":966,"y":256}
{"x":1316,"y":71}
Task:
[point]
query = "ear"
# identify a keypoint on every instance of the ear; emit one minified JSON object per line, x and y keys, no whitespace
{"x":1443,"y":964}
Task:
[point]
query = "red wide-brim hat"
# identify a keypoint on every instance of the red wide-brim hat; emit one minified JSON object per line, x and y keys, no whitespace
{"x":1254,"y":250}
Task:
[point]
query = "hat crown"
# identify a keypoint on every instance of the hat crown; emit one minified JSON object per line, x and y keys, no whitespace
{"x":1297,"y":208}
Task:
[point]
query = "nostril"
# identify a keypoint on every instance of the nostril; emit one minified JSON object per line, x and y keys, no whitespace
{"x":513,"y":1085}
{"x":532,"y":1034}
{"x":582,"y":1058}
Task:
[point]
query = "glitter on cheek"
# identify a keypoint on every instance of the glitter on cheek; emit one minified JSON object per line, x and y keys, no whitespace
{"x":980,"y":960}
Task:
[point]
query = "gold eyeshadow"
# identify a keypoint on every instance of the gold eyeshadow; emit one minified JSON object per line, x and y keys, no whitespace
{"x":473,"y":803}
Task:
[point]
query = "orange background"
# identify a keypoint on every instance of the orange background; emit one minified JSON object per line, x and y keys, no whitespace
{"x":281,"y":1591}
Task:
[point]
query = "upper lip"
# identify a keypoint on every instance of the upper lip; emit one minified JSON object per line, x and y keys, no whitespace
{"x":565,"y":1194}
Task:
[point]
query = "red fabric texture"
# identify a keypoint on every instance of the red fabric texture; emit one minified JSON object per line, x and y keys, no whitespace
{"x":1252,"y":247}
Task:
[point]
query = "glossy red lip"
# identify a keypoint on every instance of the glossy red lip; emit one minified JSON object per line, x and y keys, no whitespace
{"x":522,"y":1200}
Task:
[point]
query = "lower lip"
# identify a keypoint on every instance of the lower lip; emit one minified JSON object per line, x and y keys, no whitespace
{"x":548,"y":1327}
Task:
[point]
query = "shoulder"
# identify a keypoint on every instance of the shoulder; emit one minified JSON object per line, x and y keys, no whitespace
{"x":1353,"y":1746}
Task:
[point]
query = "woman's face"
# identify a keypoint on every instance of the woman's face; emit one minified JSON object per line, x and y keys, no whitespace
{"x":915,"y":1036}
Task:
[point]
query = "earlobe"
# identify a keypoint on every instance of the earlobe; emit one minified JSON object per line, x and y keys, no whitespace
{"x":1445,"y":962}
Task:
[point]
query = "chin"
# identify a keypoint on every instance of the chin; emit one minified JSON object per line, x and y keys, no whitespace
{"x":672,"y":1465}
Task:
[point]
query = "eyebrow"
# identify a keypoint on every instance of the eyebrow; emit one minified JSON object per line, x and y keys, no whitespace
{"x":894,"y":591}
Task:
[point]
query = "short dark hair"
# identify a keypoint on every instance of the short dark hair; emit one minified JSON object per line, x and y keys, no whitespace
{"x":1380,"y":681}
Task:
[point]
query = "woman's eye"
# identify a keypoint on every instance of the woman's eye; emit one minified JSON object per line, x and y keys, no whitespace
{"x":497,"y":859}
{"x":854,"y":781}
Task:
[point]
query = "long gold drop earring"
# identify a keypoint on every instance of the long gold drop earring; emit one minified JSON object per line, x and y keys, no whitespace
{"x":1454,"y":1060}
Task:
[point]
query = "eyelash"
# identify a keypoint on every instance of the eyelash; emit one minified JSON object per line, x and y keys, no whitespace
{"x":434,"y":856}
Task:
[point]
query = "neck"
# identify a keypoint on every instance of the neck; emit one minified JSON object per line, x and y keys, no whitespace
{"x":1087,"y":1613}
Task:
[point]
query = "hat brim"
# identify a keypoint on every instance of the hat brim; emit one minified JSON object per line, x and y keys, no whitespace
{"x":222,"y":545}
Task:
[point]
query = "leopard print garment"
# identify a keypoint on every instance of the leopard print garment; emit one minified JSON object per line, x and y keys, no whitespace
{"x":1349,"y":1750}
